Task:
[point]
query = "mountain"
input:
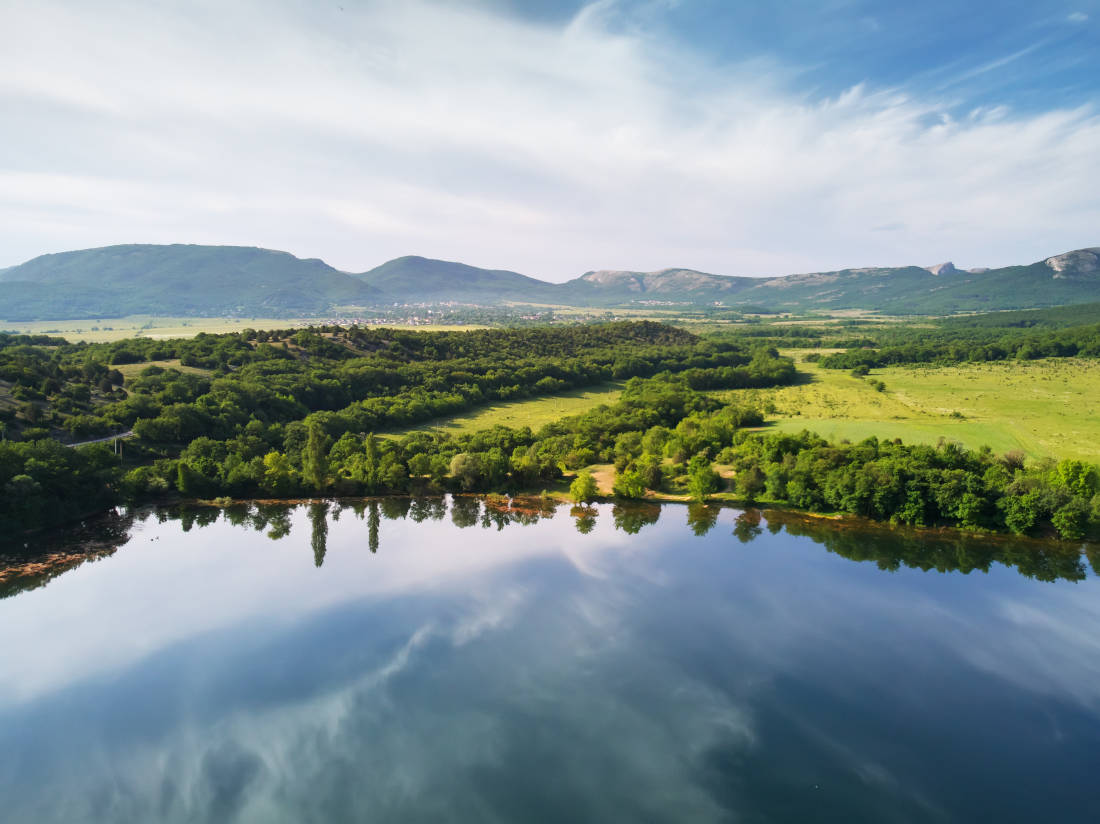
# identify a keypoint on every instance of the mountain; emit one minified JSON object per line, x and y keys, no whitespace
{"x":415,"y":279}
{"x":947,"y":268}
{"x":175,"y":280}
{"x":1073,"y":277}
{"x":610,"y":287}
{"x":236,"y":280}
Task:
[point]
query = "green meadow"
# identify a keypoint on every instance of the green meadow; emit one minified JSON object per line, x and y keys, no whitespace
{"x":108,"y":330}
{"x":1044,"y":407}
{"x":532,"y":412}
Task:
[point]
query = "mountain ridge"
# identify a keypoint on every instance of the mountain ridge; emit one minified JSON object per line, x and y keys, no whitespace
{"x":191,"y":279}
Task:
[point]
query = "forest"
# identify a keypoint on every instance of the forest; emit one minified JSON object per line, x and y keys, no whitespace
{"x":320,"y":413}
{"x":971,"y":343}
{"x":290,"y":412}
{"x":1068,"y":331}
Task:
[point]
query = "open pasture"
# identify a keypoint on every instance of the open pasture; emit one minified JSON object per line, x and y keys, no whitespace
{"x":108,"y":330}
{"x":1043,"y":407}
{"x":532,"y":412}
{"x":132,"y":370}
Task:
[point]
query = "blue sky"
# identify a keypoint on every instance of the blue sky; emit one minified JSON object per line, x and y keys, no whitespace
{"x":1028,"y":55}
{"x":555,"y":137}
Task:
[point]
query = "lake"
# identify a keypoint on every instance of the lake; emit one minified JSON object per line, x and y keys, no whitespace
{"x":466,"y":660}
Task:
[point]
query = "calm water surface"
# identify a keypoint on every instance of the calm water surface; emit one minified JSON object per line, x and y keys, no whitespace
{"x":436,"y":661}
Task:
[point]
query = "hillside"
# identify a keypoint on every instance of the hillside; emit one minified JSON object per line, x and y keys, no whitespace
{"x":610,"y":287}
{"x":1073,"y":277}
{"x":174,"y":280}
{"x":415,"y":279}
{"x":188,"y":280}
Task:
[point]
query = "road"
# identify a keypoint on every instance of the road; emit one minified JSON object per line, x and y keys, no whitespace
{"x":108,"y":439}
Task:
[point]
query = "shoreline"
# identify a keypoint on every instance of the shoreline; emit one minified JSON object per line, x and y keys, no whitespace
{"x":837,"y":520}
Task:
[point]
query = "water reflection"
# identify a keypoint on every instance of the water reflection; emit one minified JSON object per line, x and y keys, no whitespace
{"x":496,"y":659}
{"x":318,"y":519}
{"x":37,"y":561}
{"x":702,"y":518}
{"x":40,"y":560}
{"x":585,"y":518}
{"x":632,"y":516}
{"x":747,"y":526}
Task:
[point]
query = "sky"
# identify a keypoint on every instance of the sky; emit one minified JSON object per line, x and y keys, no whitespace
{"x":556,"y":137}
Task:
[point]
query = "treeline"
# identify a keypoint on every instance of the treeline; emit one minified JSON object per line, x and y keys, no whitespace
{"x":1080,"y":314}
{"x":45,"y":483}
{"x":919,"y":485}
{"x":1067,"y":331}
{"x":946,"y":552}
{"x":365,"y":379}
{"x":653,"y":419}
{"x":971,"y":344}
{"x":275,"y":408}
{"x":44,"y":559}
{"x":661,"y":436}
{"x":976,"y":347}
{"x":302,"y":423}
{"x":374,"y":393}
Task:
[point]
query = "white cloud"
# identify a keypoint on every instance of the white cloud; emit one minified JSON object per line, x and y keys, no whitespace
{"x":1078,"y":17}
{"x":416,"y":128}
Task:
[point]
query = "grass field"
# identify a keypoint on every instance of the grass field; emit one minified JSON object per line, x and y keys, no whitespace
{"x":1045,"y":408}
{"x":107,"y":330}
{"x":532,"y":412}
{"x":132,"y":370}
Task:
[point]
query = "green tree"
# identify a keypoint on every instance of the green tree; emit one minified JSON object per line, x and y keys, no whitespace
{"x":466,"y":469}
{"x":315,"y":458}
{"x":420,"y":465}
{"x":702,"y":479}
{"x":750,"y":483}
{"x":279,"y":477}
{"x":629,"y":484}
{"x":583,"y":489}
{"x":191,"y":482}
{"x":1072,"y":520}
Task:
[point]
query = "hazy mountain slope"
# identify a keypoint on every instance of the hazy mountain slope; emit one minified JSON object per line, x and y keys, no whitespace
{"x":609,"y":286}
{"x":416,"y":279}
{"x":1073,"y":277}
{"x":174,"y":280}
{"x":220,"y":280}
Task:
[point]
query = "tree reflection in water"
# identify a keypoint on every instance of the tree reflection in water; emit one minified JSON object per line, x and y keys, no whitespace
{"x":747,"y":526}
{"x":585,"y":517}
{"x":702,"y":518}
{"x":374,"y":521}
{"x":465,"y":510}
{"x":318,"y":540}
{"x":631,"y":516}
{"x":42,"y":559}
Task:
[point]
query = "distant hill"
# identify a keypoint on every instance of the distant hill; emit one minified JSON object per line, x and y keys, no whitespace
{"x":415,"y":279}
{"x":1073,"y":277}
{"x":236,"y":280}
{"x":611,"y":287}
{"x":174,"y":280}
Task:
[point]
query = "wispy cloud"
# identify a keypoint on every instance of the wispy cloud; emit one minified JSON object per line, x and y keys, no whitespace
{"x":363,"y":133}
